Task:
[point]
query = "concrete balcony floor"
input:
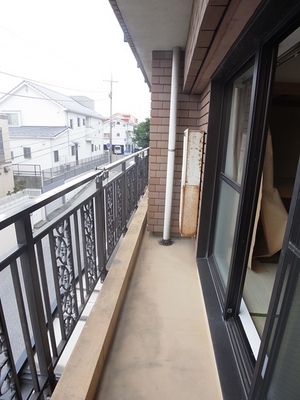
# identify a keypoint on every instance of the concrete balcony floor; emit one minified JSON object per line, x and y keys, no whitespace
{"x":160,"y":347}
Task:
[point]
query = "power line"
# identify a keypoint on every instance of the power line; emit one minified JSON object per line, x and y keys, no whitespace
{"x":43,"y":98}
{"x":67,"y":143}
{"x":110,"y":130}
{"x":49,"y":84}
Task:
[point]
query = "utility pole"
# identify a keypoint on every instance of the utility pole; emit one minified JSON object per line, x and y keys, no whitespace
{"x":110,"y":118}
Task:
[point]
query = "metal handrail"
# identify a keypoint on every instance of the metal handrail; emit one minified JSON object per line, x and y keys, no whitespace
{"x":51,"y":271}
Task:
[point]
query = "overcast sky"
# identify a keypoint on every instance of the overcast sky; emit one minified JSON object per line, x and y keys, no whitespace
{"x":73,"y":44}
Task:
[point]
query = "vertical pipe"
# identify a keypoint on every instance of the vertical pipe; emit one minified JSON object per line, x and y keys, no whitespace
{"x":171,"y":146}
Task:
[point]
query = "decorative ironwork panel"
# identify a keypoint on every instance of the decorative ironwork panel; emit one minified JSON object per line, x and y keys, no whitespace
{"x":88,"y":231}
{"x":110,"y":233}
{"x":133,"y":188}
{"x":119,"y":208}
{"x":66,"y":275}
{"x":90,"y":249}
{"x":140,"y":172}
{"x":7,"y":381}
{"x":130,"y":192}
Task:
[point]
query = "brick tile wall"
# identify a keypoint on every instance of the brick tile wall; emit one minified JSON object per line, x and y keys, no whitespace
{"x":192,"y":113}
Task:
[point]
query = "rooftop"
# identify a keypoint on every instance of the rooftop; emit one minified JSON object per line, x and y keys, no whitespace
{"x":36,"y":131}
{"x":62,"y":100}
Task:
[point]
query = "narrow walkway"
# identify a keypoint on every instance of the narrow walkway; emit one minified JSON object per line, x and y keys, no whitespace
{"x":162,"y":347}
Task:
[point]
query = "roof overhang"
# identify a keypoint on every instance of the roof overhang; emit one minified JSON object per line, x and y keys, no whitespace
{"x":153,"y":25}
{"x":205,"y":30}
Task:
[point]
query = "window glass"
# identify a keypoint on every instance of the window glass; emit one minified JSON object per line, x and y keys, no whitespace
{"x":2,"y":154}
{"x":13,"y":119}
{"x":225,"y":226}
{"x":285,"y":383}
{"x":56,"y":156}
{"x":234,"y":163}
{"x":1,"y":142}
{"x":276,"y":186}
{"x":238,"y":127}
{"x":27,"y":152}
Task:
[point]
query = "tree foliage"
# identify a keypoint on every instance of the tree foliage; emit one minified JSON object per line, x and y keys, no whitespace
{"x":20,"y":184}
{"x":140,"y":134}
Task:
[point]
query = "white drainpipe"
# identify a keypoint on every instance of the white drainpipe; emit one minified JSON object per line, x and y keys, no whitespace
{"x":171,"y":146}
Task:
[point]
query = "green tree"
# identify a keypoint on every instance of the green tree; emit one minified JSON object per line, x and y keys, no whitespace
{"x":20,"y":184}
{"x":140,"y":134}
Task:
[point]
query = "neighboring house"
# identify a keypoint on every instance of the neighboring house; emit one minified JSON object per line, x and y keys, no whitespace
{"x":231,"y":70}
{"x":6,"y":171}
{"x":122,"y":126}
{"x":48,"y":129}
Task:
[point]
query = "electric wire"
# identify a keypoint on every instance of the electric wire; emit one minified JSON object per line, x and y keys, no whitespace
{"x":67,"y":143}
{"x":49,"y":84}
{"x":46,"y":99}
{"x":59,"y":147}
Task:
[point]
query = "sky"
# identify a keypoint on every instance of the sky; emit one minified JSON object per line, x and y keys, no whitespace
{"x":76,"y":46}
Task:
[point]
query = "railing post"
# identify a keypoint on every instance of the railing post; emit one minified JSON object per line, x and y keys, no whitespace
{"x":100,"y":224}
{"x":124,"y":197}
{"x":136,"y":178}
{"x":34,"y":299}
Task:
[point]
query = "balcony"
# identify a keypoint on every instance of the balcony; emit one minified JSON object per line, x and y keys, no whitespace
{"x":147,"y":335}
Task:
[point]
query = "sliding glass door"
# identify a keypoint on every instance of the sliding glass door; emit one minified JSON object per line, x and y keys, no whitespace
{"x":258,"y":153}
{"x":232,"y":172}
{"x":278,"y":366}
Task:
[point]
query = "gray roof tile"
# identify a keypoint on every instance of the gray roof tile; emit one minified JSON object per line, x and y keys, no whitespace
{"x":36,"y":131}
{"x":64,"y":101}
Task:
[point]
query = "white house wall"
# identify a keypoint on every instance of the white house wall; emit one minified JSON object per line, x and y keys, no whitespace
{"x":41,"y":152}
{"x":120,"y":127}
{"x":36,"y":109}
{"x":42,"y":149}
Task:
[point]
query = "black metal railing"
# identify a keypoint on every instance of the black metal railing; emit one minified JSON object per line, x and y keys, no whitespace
{"x":49,"y":273}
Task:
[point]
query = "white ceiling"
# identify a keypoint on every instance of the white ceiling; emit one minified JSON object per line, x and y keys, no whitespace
{"x":155,"y":25}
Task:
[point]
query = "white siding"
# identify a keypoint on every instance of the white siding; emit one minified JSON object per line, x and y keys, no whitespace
{"x":36,"y":110}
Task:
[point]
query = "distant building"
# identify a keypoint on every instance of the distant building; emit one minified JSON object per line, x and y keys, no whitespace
{"x":6,"y":172}
{"x":49,"y":129}
{"x":122,"y":129}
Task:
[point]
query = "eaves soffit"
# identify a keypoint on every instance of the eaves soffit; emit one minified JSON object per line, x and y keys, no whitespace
{"x":153,"y":25}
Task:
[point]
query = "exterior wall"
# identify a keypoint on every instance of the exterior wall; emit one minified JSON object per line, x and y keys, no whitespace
{"x":214,"y":27}
{"x":42,"y":150}
{"x":6,"y":172}
{"x":206,"y":16}
{"x":192,"y":112}
{"x":86,"y":136}
{"x":34,"y":112}
{"x":121,"y":130}
{"x":203,"y":124}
